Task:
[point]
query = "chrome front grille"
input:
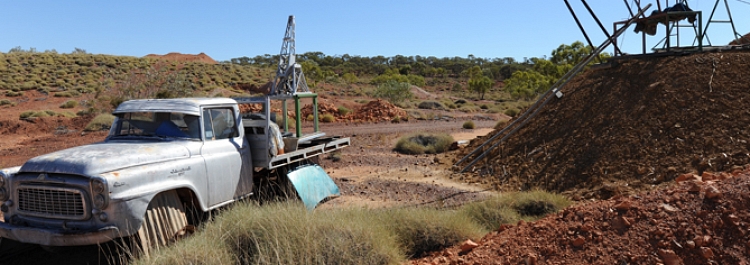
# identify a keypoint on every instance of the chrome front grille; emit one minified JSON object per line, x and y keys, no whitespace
{"x":52,"y":202}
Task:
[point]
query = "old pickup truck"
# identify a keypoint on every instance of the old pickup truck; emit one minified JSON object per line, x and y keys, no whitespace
{"x":163,"y":161}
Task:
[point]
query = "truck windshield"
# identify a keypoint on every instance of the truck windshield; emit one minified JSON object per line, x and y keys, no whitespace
{"x":156,"y":124}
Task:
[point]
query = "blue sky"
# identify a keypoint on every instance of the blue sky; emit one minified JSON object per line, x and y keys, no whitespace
{"x":229,"y":29}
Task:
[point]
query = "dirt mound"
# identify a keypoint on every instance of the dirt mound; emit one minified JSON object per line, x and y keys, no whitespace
{"x":323,"y":108}
{"x":176,"y":56}
{"x":629,"y":127}
{"x":378,"y":110}
{"x":744,"y":40}
{"x":695,"y":222}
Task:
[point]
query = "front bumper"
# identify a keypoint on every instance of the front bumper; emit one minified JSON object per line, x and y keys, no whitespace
{"x":47,"y":237}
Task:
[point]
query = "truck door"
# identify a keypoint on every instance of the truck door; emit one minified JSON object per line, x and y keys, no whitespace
{"x":229,"y":175}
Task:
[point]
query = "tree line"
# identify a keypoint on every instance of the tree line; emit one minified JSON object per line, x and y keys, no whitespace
{"x":522,"y":79}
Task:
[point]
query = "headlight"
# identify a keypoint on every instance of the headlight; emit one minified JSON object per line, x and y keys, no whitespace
{"x":99,"y":193}
{"x":100,"y":201}
{"x":98,"y":186}
{"x":3,"y":194}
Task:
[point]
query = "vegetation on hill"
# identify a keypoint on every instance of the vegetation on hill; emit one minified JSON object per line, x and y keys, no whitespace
{"x":453,"y":75}
{"x":113,"y":79}
{"x":104,"y":81}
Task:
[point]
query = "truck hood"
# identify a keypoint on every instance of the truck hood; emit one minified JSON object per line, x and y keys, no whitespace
{"x":104,"y":157}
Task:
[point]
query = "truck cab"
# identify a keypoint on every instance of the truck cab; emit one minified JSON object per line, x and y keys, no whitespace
{"x":162,"y":158}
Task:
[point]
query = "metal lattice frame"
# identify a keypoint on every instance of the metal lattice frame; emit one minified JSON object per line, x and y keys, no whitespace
{"x":289,"y":77}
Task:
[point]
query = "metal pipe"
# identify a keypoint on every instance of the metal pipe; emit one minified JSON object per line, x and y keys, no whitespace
{"x":617,"y":49}
{"x":578,"y":22}
{"x":629,"y":8}
{"x":298,"y":113}
{"x":284,"y":109}
{"x":710,"y":18}
{"x":731,"y":21}
{"x":315,"y":112}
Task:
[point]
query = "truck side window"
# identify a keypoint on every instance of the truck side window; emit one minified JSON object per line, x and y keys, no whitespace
{"x":219,"y":123}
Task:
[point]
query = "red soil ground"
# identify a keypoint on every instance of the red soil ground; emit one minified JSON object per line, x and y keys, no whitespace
{"x":694,"y":222}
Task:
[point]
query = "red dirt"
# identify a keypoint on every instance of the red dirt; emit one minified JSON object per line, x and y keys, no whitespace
{"x":695,"y":222}
{"x":640,"y":123}
{"x":379,"y":110}
{"x":24,"y":139}
{"x":176,"y":56}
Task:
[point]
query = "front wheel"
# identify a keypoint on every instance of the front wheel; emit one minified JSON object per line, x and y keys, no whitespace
{"x":164,"y":222}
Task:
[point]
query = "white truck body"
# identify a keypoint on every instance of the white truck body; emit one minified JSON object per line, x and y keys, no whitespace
{"x":95,"y":193}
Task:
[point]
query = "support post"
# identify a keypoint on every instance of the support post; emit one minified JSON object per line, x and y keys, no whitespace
{"x":315,"y":112}
{"x":298,"y":114}
{"x":284,"y":110}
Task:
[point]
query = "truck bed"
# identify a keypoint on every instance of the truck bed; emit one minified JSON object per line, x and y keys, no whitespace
{"x":320,"y":146}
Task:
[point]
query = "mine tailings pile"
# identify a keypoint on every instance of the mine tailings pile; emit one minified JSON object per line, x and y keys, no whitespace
{"x":631,"y":126}
{"x":700,"y":220}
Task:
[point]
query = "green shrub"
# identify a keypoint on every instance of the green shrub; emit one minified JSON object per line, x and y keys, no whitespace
{"x":484,"y":106}
{"x":100,"y":122}
{"x":5,"y":102}
{"x":310,"y":117}
{"x":327,"y":118}
{"x":286,"y":233}
{"x":421,"y":230}
{"x":30,"y":85}
{"x":27,"y":114}
{"x":344,"y":110}
{"x":468,"y":108}
{"x":431,"y":105}
{"x":492,"y":213}
{"x":335,"y":156}
{"x":396,"y":119}
{"x":86,"y":112}
{"x":512,"y":112}
{"x":509,"y":208}
{"x":66,"y":114}
{"x":11,"y":93}
{"x":69,"y":104}
{"x":36,"y":114}
{"x":393,"y":91}
{"x":539,"y":203}
{"x":447,"y":103}
{"x":424,"y":143}
{"x":501,"y":124}
{"x":469,"y":125}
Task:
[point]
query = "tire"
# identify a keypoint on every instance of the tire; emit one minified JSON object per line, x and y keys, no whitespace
{"x":164,"y":222}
